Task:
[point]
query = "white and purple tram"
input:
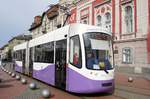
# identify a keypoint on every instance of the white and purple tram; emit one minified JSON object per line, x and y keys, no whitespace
{"x":77,"y":58}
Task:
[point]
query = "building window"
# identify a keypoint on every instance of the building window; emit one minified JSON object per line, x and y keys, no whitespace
{"x":55,"y":22}
{"x":75,"y":52}
{"x":127,"y":55}
{"x":44,"y":27}
{"x":129,"y":19}
{"x":38,"y":30}
{"x":84,"y":20}
{"x":99,"y":20}
{"x":48,"y":25}
{"x":108,"y":21}
{"x":108,"y":18}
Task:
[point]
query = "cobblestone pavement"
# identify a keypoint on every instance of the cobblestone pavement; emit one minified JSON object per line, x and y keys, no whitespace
{"x":23,"y":92}
{"x":13,"y":89}
{"x":9,"y":86}
{"x":138,"y":89}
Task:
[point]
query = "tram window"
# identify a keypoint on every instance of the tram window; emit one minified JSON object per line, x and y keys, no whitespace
{"x":44,"y":53}
{"x":75,"y":51}
{"x":23,"y":53}
{"x":14,"y":55}
{"x":19,"y":55}
{"x":98,"y":51}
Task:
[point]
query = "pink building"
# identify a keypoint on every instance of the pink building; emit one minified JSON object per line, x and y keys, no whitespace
{"x":128,"y":20}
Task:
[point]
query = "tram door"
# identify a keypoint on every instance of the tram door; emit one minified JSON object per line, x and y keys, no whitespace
{"x":60,"y":63}
{"x":23,"y":61}
{"x":30,"y":61}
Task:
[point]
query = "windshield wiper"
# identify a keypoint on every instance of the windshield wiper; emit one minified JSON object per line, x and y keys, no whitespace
{"x":106,"y":70}
{"x":106,"y":66}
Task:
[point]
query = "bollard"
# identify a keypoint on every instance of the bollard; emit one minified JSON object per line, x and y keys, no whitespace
{"x":32,"y":85}
{"x":46,"y":93}
{"x":18,"y":77}
{"x":23,"y":81}
{"x":9,"y":73}
{"x":130,"y":79}
{"x":13,"y":75}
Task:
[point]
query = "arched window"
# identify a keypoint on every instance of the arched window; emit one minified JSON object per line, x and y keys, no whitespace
{"x":108,"y":18}
{"x":108,"y":21}
{"x":44,"y":29}
{"x":85,"y":22}
{"x":99,"y":20}
{"x":129,"y":19}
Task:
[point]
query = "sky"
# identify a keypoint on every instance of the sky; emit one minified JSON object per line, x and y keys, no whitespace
{"x":16,"y":16}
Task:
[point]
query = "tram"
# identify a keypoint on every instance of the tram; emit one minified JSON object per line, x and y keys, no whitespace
{"x":77,"y":58}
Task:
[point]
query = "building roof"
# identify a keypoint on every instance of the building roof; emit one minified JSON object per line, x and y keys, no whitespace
{"x":2,"y":48}
{"x":21,"y":37}
{"x":51,"y":13}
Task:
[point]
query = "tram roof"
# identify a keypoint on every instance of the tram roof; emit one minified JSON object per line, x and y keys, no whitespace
{"x":59,"y":34}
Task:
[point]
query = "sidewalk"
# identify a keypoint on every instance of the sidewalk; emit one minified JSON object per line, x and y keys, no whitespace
{"x":23,"y":92}
{"x":131,"y":71}
{"x":10,"y":86}
{"x":138,"y":89}
{"x":26,"y":93}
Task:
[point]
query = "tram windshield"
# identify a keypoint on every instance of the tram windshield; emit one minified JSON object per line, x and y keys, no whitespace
{"x":98,"y":51}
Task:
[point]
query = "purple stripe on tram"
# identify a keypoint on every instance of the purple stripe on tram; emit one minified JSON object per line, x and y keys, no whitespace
{"x":18,"y":68}
{"x":46,"y":75}
{"x":79,"y":84}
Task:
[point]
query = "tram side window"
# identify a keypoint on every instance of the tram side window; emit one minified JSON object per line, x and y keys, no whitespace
{"x":75,"y":51}
{"x":19,"y":55}
{"x":44,"y":53}
{"x":23,"y":54}
{"x":14,"y":55}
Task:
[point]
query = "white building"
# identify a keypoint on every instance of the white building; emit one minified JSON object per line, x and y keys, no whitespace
{"x":45,"y":23}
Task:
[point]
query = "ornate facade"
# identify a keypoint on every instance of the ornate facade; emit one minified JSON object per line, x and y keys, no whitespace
{"x":128,"y":20}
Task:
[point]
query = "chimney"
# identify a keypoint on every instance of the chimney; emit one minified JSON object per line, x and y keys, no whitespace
{"x":37,"y":19}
